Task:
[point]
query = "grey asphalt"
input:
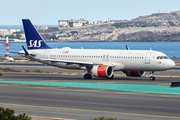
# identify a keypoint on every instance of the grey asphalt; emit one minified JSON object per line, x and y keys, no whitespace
{"x":45,"y":68}
{"x":85,"y":104}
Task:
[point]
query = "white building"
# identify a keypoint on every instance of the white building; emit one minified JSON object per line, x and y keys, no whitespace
{"x":90,"y":23}
{"x":75,"y":24}
{"x":63,"y":23}
{"x":72,"y":23}
{"x":14,"y":30}
{"x":43,"y":28}
{"x":4,"y":32}
{"x":61,"y":34}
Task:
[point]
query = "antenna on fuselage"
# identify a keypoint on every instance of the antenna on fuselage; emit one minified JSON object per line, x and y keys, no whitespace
{"x":81,"y":47}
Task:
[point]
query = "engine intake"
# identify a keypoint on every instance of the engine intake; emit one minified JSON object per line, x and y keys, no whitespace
{"x":134,"y":73}
{"x":102,"y":71}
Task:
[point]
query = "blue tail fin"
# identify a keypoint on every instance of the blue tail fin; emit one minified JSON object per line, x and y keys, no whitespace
{"x":33,"y":38}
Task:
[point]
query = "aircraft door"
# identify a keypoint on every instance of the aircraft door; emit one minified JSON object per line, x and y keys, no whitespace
{"x":147,"y":58}
{"x":107,"y":57}
{"x":103,"y":58}
{"x":46,"y":54}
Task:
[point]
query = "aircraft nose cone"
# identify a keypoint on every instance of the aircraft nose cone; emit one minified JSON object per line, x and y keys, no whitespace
{"x":171,"y":64}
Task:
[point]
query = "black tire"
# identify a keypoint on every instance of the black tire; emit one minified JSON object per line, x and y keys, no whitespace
{"x":87,"y":76}
{"x":152,"y":78}
{"x":90,"y":76}
{"x":110,"y":77}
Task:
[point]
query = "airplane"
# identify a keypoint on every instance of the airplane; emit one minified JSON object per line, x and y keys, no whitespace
{"x":97,"y":62}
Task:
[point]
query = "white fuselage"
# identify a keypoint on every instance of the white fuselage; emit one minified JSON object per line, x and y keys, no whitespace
{"x":120,"y":60}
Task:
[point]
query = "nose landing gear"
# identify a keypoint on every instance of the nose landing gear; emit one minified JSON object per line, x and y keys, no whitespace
{"x":152,"y":78}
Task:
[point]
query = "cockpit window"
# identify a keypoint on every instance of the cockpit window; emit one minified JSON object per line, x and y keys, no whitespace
{"x":165,"y":57}
{"x":162,"y":57}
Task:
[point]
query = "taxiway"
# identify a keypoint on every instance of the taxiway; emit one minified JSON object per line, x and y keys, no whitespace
{"x":85,"y":104}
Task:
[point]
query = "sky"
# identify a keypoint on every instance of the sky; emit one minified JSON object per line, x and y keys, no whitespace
{"x":48,"y":12}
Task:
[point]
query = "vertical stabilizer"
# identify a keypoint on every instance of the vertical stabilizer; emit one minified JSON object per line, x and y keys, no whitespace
{"x":33,"y":38}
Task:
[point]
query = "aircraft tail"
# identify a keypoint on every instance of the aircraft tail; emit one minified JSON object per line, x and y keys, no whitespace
{"x":33,"y":38}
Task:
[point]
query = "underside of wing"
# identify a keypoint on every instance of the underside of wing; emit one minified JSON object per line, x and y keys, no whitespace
{"x":23,"y":54}
{"x":72,"y":62}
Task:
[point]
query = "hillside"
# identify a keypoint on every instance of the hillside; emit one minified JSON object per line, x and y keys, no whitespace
{"x":157,"y":26}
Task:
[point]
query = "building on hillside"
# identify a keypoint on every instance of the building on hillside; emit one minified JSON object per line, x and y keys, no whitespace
{"x":72,"y":23}
{"x":90,"y":23}
{"x":43,"y":28}
{"x":110,"y":21}
{"x":98,"y":22}
{"x":75,"y":24}
{"x":60,"y":34}
{"x":63,"y":23}
{"x":4,"y":32}
{"x":14,"y":30}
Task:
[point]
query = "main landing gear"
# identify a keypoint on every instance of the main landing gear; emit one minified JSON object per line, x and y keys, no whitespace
{"x":88,"y":75}
{"x":152,"y":78}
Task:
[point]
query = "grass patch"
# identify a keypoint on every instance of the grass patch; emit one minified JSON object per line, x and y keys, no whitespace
{"x":8,"y":70}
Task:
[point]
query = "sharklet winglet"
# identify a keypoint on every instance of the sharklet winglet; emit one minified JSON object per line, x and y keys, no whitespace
{"x":127,"y":47}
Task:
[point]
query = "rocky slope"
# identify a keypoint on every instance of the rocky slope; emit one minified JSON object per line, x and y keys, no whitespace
{"x":154,"y":27}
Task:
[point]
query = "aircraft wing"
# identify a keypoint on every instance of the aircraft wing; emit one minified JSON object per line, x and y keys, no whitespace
{"x":73,"y":62}
{"x":22,"y":53}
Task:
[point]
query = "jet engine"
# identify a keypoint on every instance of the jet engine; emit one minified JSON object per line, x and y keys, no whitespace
{"x":134,"y":73}
{"x":102,"y":71}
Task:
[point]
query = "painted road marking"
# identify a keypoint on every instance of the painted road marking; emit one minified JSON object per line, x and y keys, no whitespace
{"x":163,"y":89}
{"x":98,"y":90}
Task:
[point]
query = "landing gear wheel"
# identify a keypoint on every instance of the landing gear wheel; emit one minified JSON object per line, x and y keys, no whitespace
{"x":110,"y":77}
{"x":87,"y":76}
{"x":152,"y":78}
